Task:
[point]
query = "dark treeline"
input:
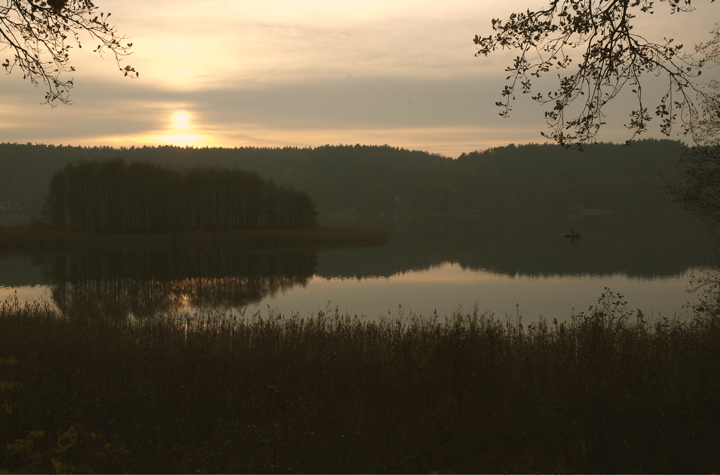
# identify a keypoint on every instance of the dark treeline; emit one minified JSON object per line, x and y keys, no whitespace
{"x":115,"y":196}
{"x":531,"y":177}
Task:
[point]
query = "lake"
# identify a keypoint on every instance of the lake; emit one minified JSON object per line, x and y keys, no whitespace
{"x":509,"y":266}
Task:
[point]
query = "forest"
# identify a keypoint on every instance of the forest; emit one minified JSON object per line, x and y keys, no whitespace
{"x":525,"y":178}
{"x":115,"y":196}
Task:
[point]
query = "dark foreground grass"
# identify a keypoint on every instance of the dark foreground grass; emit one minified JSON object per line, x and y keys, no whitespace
{"x":604,"y":393}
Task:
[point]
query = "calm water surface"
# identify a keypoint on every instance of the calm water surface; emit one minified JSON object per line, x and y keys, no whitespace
{"x":448,"y":287}
{"x":508,"y":267}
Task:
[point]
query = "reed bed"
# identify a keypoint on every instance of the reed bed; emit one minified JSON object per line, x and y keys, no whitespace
{"x":331,"y":393}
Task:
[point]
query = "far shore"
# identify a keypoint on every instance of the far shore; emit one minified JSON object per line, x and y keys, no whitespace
{"x":316,"y":237}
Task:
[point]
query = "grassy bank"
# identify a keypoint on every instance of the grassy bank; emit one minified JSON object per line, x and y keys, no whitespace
{"x":607,"y":392}
{"x":323,"y":236}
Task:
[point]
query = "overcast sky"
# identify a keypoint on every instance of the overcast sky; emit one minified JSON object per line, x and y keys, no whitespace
{"x":301,"y":73}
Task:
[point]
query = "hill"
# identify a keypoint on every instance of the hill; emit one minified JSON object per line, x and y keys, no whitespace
{"x":526,"y":178}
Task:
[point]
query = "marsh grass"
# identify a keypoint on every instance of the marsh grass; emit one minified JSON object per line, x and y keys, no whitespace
{"x":604,"y":392}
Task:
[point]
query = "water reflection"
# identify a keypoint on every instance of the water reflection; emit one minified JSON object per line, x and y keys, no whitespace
{"x":143,"y":283}
{"x":428,"y":264}
{"x":638,"y":246}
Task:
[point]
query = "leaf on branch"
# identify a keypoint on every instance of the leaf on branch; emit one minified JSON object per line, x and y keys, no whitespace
{"x":612,"y":57}
{"x":41,"y":43}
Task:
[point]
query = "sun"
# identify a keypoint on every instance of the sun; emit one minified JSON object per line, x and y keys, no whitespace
{"x":181,"y":120}
{"x":181,"y":129}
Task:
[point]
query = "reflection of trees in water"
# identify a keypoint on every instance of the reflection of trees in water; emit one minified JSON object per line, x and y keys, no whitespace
{"x":114,"y":298}
{"x":232,"y":291}
{"x":147,"y":282}
{"x":645,"y":245}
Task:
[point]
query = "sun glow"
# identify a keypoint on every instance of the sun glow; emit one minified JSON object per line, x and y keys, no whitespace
{"x":182,"y":130}
{"x":181,"y":120}
{"x":180,"y":139}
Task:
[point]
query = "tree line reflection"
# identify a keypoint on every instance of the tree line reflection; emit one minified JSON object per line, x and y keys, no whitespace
{"x":144,"y":283}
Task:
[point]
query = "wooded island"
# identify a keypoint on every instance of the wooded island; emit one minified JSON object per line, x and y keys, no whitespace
{"x":112,"y":201}
{"x":114,"y":196}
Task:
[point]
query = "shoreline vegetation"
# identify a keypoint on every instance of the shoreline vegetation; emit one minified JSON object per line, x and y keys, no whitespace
{"x":331,"y":393}
{"x":25,"y":237}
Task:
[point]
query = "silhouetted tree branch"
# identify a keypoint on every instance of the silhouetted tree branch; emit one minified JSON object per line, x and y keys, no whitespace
{"x":37,"y":37}
{"x":597,"y":39}
{"x":699,"y":191}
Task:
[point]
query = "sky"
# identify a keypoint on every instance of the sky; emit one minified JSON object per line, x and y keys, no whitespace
{"x":305,"y":73}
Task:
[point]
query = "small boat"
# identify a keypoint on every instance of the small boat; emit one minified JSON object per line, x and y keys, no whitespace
{"x":572,"y":234}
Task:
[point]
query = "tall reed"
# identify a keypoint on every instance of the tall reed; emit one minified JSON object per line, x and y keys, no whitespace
{"x":606,"y":391}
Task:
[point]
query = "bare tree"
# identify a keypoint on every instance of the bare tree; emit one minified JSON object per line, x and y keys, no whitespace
{"x":37,"y":37}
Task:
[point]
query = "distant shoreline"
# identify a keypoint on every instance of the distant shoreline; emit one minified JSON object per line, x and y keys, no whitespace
{"x":322,"y":236}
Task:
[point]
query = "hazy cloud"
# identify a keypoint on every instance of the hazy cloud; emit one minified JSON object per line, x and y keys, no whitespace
{"x":278,"y":73}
